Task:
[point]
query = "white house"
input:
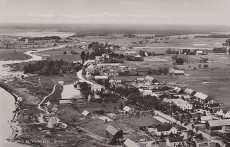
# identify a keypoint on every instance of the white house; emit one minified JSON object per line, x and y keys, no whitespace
{"x":85,"y":113}
{"x":96,"y":87}
{"x":177,"y":89}
{"x":201,"y":97}
{"x":127,"y":109}
{"x":101,"y":77}
{"x":163,"y":129}
{"x":205,"y":119}
{"x":130,"y":53}
{"x":130,"y":143}
{"x":140,"y":80}
{"x":146,"y":92}
{"x":149,"y":80}
{"x":199,"y":52}
{"x":176,"y":72}
{"x":175,"y":141}
{"x":114,"y":82}
{"x":182,"y":104}
{"x":189,"y":91}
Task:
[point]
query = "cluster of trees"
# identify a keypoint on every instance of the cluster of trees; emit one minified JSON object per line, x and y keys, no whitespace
{"x":227,"y":42}
{"x":43,"y":38}
{"x":145,"y":102}
{"x":71,"y":52}
{"x":130,"y":35}
{"x":50,"y":67}
{"x":158,"y":71}
{"x":189,"y":52}
{"x":128,"y":73}
{"x":131,"y":58}
{"x":220,"y":50}
{"x":170,"y":51}
{"x":214,"y":36}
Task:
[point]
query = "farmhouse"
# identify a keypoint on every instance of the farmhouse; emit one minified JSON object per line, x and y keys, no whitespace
{"x":140,"y":80}
{"x":175,"y":141}
{"x":201,"y":97}
{"x":189,"y":91}
{"x":205,"y":119}
{"x":114,"y":133}
{"x":176,"y":72}
{"x":177,"y":89}
{"x":182,"y":104}
{"x":199,"y":52}
{"x":101,"y":77}
{"x":115,"y":82}
{"x":128,"y":110}
{"x":85,"y":113}
{"x":130,"y":143}
{"x":218,"y":125}
{"x":130,"y":53}
{"x":164,"y":129}
{"x":96,"y":87}
{"x":150,"y":80}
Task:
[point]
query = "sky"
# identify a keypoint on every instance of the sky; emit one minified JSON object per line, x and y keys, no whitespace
{"x":175,"y":12}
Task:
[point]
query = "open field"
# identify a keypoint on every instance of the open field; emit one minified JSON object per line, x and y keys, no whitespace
{"x":13,"y":54}
{"x":67,"y":78}
{"x":58,"y":54}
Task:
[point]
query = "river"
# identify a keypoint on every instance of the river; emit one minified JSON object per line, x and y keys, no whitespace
{"x":6,"y":113}
{"x":7,"y":101}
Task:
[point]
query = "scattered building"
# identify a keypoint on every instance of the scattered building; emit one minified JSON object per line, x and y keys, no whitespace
{"x":175,"y":141}
{"x":201,"y":97}
{"x":218,"y":125}
{"x":130,"y":143}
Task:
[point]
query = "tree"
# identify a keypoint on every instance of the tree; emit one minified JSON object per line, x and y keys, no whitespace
{"x":199,"y":65}
{"x":179,"y":61}
{"x":121,"y":106}
{"x":205,"y":66}
{"x":64,"y":52}
{"x":83,"y":56}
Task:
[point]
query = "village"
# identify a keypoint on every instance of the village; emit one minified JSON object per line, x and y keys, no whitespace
{"x":142,"y":112}
{"x":109,"y":94}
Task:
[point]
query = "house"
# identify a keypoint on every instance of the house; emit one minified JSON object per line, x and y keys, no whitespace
{"x":199,"y":52}
{"x":182,"y":104}
{"x":114,"y":133}
{"x":101,"y":77}
{"x":146,"y":92}
{"x":99,"y":59}
{"x":140,"y":80}
{"x":61,"y":83}
{"x":189,"y":91}
{"x":201,"y":97}
{"x":85,"y":113}
{"x":218,"y":125}
{"x":178,"y":90}
{"x":175,"y":141}
{"x":91,"y":61}
{"x":115,"y":82}
{"x":175,"y":72}
{"x":130,"y":143}
{"x":150,"y":80}
{"x":53,"y":120}
{"x":128,"y":110}
{"x":227,"y":115}
{"x":130,"y":53}
{"x":164,"y":129}
{"x":204,"y":119}
{"x":96,"y":87}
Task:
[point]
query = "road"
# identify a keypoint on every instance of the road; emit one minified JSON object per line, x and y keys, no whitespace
{"x":39,"y":105}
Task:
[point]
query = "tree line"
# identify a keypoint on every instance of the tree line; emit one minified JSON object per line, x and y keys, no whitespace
{"x":50,"y":67}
